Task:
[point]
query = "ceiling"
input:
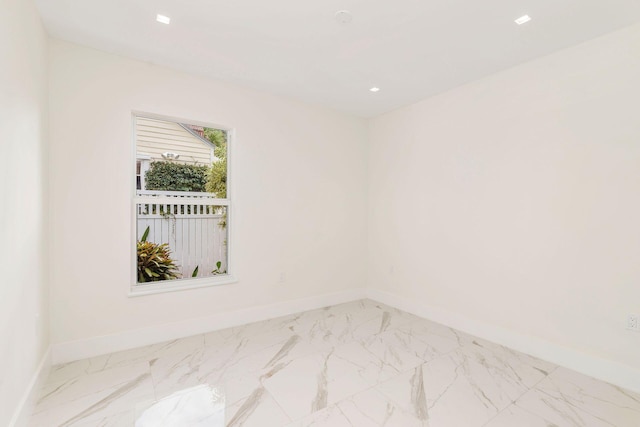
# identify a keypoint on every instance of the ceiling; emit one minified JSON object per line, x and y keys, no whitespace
{"x":410,"y":49}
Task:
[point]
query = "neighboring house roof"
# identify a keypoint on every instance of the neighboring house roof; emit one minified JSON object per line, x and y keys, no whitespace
{"x":157,"y":137}
{"x":196,"y":131}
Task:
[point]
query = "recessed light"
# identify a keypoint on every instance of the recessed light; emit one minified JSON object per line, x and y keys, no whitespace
{"x":523,"y":20}
{"x":163,"y":19}
{"x":343,"y":16}
{"x":374,"y":89}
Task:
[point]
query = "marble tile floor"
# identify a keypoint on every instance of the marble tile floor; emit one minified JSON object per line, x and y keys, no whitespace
{"x":357,"y":364}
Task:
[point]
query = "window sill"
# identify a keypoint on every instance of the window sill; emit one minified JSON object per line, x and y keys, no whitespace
{"x":183,"y":285}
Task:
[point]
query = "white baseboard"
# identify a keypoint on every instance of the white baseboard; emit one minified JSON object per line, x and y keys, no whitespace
{"x":27,"y":403}
{"x":96,"y":346}
{"x":603,"y":369}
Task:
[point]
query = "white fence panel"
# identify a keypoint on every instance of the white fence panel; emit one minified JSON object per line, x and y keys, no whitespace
{"x":194,"y":229}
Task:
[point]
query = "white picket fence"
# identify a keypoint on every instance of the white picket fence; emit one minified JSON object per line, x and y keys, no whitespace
{"x":194,"y":228}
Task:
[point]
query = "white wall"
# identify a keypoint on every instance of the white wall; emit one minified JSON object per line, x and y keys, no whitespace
{"x":23,"y":287}
{"x":515,"y":200}
{"x":299,"y":180}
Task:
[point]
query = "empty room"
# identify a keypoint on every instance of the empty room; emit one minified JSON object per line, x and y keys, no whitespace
{"x":341,"y":213}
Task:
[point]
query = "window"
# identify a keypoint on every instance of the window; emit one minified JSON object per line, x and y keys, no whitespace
{"x":142,"y":166}
{"x":181,"y":205}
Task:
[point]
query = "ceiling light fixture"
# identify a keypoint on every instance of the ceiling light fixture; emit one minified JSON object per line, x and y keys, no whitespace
{"x":374,"y":89}
{"x":523,"y":20}
{"x":344,"y":16}
{"x":163,"y":19}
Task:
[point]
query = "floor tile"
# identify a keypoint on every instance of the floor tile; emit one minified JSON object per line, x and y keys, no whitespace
{"x":222,"y":365}
{"x":99,"y":405}
{"x":259,"y":409}
{"x":568,"y":398}
{"x":407,"y":392}
{"x":71,"y":370}
{"x":54,"y":395}
{"x":401,"y":344}
{"x":433,"y":333}
{"x":470,"y":385}
{"x":366,"y":409}
{"x":356,"y":364}
{"x":513,"y":416}
{"x":345,"y":323}
{"x":121,"y":419}
{"x":200,"y":406}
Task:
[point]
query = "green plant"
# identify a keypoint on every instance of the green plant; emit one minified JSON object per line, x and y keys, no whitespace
{"x":217,"y":174}
{"x":170,"y":176}
{"x":195,"y":271}
{"x":217,"y":179}
{"x":154,"y":261}
{"x":218,"y":269}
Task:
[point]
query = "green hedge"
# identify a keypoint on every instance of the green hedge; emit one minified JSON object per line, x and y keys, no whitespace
{"x":170,"y":176}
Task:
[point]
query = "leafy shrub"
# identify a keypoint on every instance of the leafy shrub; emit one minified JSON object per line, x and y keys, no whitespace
{"x":217,"y":174}
{"x":154,"y":261}
{"x":217,"y":179}
{"x":170,"y":176}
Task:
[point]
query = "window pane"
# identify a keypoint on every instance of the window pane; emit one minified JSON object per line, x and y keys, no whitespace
{"x":176,"y":239}
{"x":182,"y":157}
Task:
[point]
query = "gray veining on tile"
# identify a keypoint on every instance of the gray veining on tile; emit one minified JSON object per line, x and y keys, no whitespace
{"x":365,"y":409}
{"x":320,"y":400}
{"x":567,"y":398}
{"x":248,"y":407}
{"x":514,"y":416}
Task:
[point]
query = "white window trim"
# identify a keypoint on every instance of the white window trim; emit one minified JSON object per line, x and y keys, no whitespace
{"x":136,"y":289}
{"x":145,"y":164}
{"x":183,"y":285}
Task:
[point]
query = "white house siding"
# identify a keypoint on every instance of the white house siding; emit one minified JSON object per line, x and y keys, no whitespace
{"x":154,"y":137}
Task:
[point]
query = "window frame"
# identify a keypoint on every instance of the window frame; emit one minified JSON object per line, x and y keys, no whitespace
{"x":144,"y":167}
{"x":136,"y":289}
